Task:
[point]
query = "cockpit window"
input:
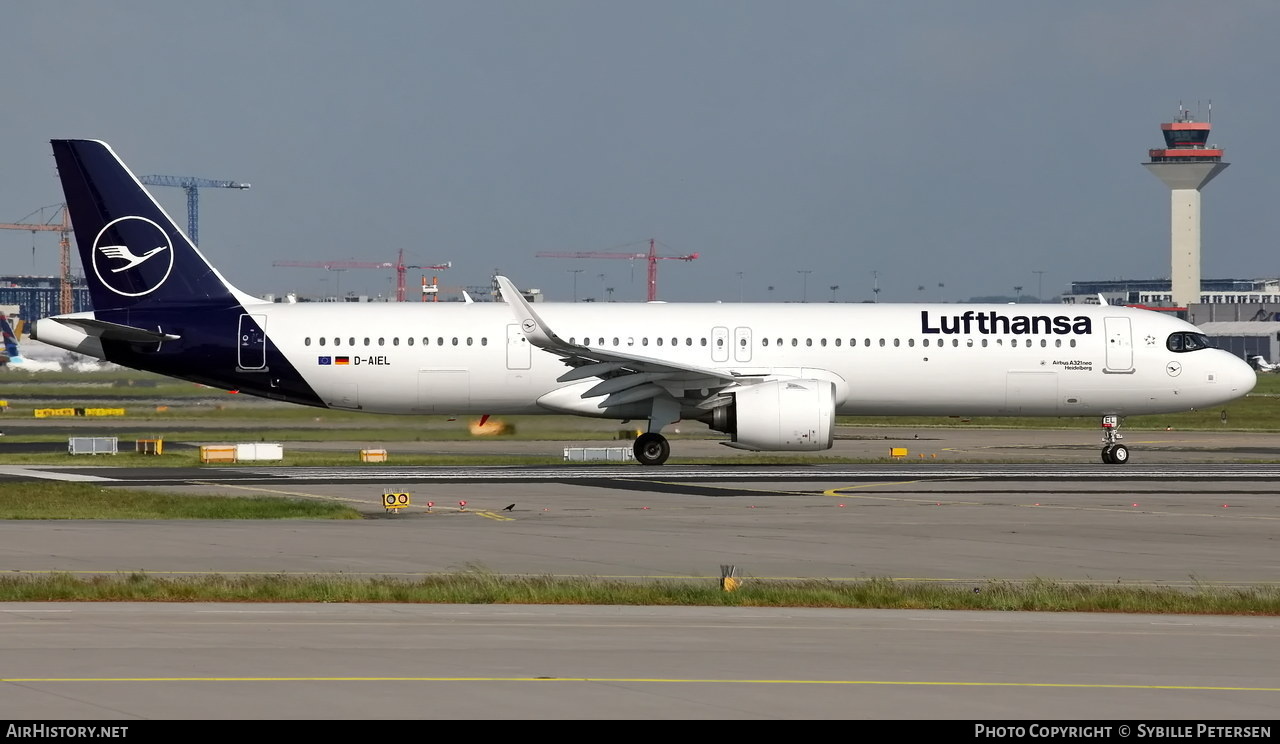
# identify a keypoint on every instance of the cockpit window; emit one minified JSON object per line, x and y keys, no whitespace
{"x":1180,"y":342}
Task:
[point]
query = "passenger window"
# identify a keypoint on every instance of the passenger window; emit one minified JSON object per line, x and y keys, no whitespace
{"x":468,"y":340}
{"x":838,"y":342}
{"x":968,"y":342}
{"x":439,"y":340}
{"x":1043,"y":343}
{"x":1072,"y":342}
{"x":381,"y":341}
{"x":1057,"y":342}
{"x":882,"y":342}
{"x":615,"y":340}
{"x":366,"y":341}
{"x":306,"y":341}
{"x":409,"y":340}
{"x":395,"y":341}
{"x":955,"y":342}
{"x":323,"y":340}
{"x":823,"y":342}
{"x":925,"y":342}
{"x":808,"y":342}
{"x":455,"y":340}
{"x":764,"y":342}
{"x":911,"y":342}
{"x":351,"y":342}
{"x":984,"y":343}
{"x":742,"y":342}
{"x":795,"y":342}
{"x":659,"y":340}
{"x":896,"y":342}
{"x":644,"y":341}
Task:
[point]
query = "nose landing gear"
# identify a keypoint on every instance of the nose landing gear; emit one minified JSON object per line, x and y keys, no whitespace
{"x":1113,"y":453}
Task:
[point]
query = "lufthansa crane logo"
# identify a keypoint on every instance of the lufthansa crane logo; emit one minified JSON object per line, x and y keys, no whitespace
{"x":528,"y":325}
{"x":132,"y":256}
{"x":1173,"y":368}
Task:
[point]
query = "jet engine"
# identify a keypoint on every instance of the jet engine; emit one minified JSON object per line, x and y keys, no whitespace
{"x":779,"y":415}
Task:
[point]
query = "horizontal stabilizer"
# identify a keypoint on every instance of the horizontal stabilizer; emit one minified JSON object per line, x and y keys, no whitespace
{"x":117,"y":332}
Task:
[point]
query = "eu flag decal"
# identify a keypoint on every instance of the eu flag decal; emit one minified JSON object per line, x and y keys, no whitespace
{"x":326,"y":360}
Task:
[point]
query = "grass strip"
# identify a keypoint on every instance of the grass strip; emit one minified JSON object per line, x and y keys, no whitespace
{"x":476,"y":587}
{"x":60,"y":500}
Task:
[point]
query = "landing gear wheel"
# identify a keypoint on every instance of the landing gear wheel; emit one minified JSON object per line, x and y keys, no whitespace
{"x":1119,"y":454}
{"x":1106,"y":453}
{"x":652,"y":449}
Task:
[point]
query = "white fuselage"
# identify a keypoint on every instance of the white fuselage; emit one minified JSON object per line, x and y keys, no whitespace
{"x":886,"y":359}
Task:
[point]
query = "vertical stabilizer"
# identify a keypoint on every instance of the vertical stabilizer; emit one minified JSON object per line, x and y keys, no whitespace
{"x":133,"y":253}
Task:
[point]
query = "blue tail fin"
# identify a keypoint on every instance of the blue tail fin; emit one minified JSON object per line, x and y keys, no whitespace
{"x":133,"y":254}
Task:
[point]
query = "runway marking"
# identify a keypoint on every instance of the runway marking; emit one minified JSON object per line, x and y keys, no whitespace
{"x":22,"y":472}
{"x":844,"y":491}
{"x":277,"y":491}
{"x":493,"y":516}
{"x":654,"y":680}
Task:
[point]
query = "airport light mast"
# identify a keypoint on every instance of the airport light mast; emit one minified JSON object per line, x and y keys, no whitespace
{"x":1185,"y":165}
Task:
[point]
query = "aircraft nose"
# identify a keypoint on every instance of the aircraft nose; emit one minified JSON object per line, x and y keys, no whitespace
{"x":1240,"y":377}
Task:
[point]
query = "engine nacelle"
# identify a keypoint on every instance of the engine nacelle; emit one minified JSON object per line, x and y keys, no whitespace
{"x":780,"y":415}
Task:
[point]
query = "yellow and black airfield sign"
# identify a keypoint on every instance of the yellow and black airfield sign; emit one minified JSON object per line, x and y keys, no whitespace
{"x":394,"y":501}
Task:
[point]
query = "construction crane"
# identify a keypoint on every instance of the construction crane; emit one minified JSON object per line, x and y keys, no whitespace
{"x":652,"y":257}
{"x":399,"y":266}
{"x":63,"y":227}
{"x":192,"y":186}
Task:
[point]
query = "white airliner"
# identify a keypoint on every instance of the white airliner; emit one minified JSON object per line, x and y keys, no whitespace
{"x":772,"y":376}
{"x":1261,"y":364}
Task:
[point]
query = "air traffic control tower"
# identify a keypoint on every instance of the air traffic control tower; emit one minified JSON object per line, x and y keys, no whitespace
{"x":1185,"y":165}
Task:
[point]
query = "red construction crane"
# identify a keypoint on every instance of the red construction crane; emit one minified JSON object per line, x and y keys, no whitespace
{"x":399,"y":266}
{"x":652,"y":257}
{"x":63,"y":226}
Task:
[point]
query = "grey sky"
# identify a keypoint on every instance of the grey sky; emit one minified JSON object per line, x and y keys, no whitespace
{"x":966,"y":143}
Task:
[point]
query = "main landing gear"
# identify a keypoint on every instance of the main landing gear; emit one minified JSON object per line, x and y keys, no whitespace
{"x":1113,"y":453}
{"x":652,"y":448}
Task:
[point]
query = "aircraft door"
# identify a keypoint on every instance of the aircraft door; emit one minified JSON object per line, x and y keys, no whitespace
{"x":518,"y":348}
{"x":719,"y":344}
{"x":251,"y":353}
{"x":741,"y":344}
{"x":1119,"y":345}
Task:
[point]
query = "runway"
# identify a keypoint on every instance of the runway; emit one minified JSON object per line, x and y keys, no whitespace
{"x":482,"y":663}
{"x":1179,"y":524}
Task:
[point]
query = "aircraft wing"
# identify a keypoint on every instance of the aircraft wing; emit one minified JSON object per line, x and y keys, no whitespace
{"x":624,"y":378}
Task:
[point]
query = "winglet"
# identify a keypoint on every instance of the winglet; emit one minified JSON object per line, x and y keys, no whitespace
{"x":1101,"y":300}
{"x":534,"y":329}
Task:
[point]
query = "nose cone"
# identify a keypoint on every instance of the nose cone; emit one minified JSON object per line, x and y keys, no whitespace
{"x":1239,"y":377}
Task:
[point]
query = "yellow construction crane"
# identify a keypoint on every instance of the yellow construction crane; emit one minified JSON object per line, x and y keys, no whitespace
{"x":63,"y":227}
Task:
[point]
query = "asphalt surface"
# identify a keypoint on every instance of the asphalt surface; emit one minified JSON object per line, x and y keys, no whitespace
{"x":1186,"y":511}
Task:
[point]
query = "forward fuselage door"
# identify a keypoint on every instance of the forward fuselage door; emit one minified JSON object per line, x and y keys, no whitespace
{"x":1119,"y":345}
{"x":719,"y":344}
{"x":251,"y":352}
{"x":741,"y":344}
